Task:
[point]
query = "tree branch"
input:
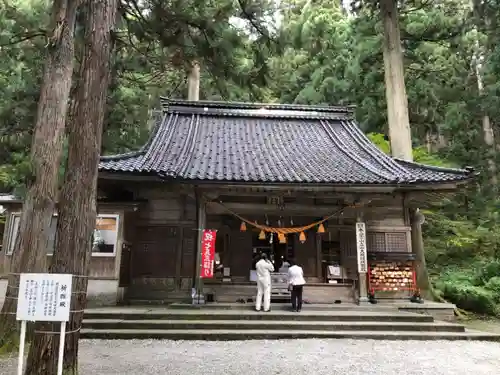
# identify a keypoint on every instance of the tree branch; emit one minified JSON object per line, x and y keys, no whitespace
{"x":22,"y":38}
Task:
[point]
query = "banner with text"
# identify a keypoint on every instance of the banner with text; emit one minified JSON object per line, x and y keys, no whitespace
{"x":207,"y":254}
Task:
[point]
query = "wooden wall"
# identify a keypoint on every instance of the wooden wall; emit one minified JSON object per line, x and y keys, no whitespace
{"x":160,"y":238}
{"x":101,"y":267}
{"x":164,"y":245}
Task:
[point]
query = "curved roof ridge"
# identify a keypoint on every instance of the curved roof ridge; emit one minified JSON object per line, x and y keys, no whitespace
{"x":467,"y":170}
{"x":163,"y":136}
{"x":189,"y":147}
{"x":126,"y":155}
{"x":167,"y":103}
{"x":331,"y":134}
{"x":362,"y":140}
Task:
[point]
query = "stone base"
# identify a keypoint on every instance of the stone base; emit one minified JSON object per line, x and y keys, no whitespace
{"x":103,"y":293}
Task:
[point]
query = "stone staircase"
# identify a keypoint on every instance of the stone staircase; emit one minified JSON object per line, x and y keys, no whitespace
{"x":240,"y":322}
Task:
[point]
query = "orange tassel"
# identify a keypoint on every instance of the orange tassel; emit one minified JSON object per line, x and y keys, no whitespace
{"x":243,"y":227}
{"x":321,"y":228}
{"x":262,"y":235}
{"x":302,"y":237}
{"x":281,"y":238}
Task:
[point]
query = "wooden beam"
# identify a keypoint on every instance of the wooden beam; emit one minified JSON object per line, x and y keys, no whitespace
{"x":296,"y":187}
{"x":127,"y":177}
{"x":216,"y":208}
{"x":263,"y":209}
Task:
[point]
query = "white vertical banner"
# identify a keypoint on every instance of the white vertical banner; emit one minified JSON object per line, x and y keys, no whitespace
{"x":43,"y":297}
{"x":361,"y":247}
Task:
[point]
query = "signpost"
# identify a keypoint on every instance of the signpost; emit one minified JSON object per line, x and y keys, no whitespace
{"x":361,"y":247}
{"x":43,"y":297}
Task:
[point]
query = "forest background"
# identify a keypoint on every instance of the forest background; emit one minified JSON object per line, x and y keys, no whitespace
{"x":307,"y":52}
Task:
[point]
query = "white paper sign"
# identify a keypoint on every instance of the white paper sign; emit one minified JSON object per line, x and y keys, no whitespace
{"x":44,"y":297}
{"x":361,"y":247}
{"x":334,"y":271}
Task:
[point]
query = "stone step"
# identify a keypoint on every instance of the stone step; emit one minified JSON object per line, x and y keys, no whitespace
{"x":280,"y":306}
{"x":158,"y":302}
{"x":225,"y":335}
{"x":146,"y":313}
{"x":225,"y":299}
{"x":206,"y":325}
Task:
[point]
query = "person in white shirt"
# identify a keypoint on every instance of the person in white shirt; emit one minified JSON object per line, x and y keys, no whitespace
{"x":263,"y":269}
{"x":296,"y":281}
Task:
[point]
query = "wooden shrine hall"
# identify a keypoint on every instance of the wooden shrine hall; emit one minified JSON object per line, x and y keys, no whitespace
{"x":247,"y":170}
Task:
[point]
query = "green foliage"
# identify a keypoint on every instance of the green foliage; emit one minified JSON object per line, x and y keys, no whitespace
{"x":469,"y":297}
{"x":380,"y":141}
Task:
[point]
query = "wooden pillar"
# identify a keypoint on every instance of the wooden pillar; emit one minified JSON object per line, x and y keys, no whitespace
{"x":201,"y":218}
{"x":362,"y":260}
{"x":180,"y":243}
{"x":319,"y":271}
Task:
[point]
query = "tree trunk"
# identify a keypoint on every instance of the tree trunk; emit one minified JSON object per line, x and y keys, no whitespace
{"x":194,"y":82}
{"x":417,"y":244}
{"x":31,"y":245}
{"x":395,"y":91}
{"x":77,"y":208}
{"x":488,"y":134}
{"x":478,"y":57}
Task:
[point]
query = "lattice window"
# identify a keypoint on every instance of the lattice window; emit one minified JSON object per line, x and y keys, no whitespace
{"x":376,"y":242}
{"x":387,"y":242}
{"x":396,"y":242}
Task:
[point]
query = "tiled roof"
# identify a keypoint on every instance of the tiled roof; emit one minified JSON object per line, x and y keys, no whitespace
{"x":244,"y":142}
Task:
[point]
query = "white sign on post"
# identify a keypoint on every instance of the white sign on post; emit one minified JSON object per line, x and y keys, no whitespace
{"x":361,"y":247}
{"x":43,"y":297}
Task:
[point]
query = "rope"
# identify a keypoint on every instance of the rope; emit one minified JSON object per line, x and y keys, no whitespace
{"x":58,"y":332}
{"x":17,"y":288}
{"x":15,"y":313}
{"x":19,"y":274}
{"x":289,"y":230}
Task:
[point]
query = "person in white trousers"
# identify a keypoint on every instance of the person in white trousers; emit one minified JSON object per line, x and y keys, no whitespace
{"x":264,"y":268}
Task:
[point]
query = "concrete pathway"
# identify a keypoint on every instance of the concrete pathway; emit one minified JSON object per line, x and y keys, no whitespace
{"x":297,"y":357}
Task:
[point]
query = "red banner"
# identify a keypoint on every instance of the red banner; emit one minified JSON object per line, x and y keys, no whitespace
{"x":207,"y":254}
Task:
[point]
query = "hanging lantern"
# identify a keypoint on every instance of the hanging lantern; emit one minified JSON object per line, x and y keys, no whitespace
{"x":281,"y":238}
{"x":321,"y":228}
{"x":243,"y":227}
{"x":262,"y":235}
{"x":302,"y":237}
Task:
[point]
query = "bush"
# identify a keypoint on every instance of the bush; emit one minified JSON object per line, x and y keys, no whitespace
{"x":469,"y":297}
{"x":493,"y":285}
{"x":490,"y":270}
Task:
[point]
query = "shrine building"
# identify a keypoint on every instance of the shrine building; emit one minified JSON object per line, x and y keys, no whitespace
{"x":296,"y":182}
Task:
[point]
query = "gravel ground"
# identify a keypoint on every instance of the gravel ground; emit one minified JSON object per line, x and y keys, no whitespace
{"x":297,"y":357}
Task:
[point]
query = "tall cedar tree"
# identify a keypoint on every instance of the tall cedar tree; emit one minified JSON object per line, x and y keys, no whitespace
{"x":395,"y":89}
{"x":77,"y":208}
{"x":31,"y":245}
{"x":399,"y":119}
